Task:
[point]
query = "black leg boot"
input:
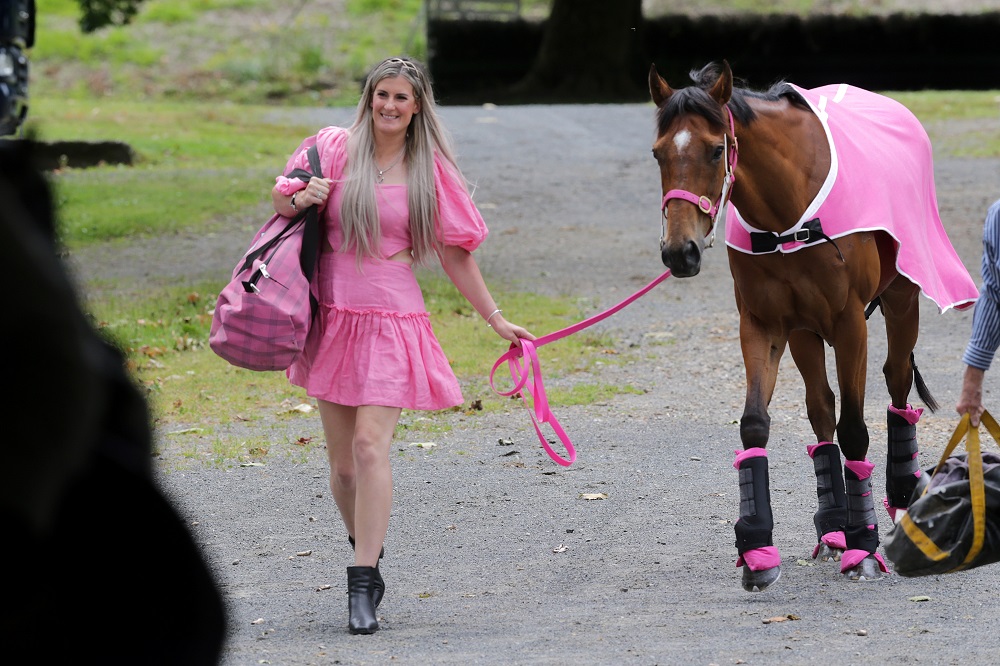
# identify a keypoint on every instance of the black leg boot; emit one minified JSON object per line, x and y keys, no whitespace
{"x":902,"y":469}
{"x":360,"y":608}
{"x":378,"y":588}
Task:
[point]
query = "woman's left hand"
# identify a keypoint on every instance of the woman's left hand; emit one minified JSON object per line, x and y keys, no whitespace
{"x":509,"y":331}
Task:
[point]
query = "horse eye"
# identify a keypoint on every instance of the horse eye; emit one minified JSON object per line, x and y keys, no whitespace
{"x":717,"y":155}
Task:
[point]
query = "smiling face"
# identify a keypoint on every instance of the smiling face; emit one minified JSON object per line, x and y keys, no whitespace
{"x":393,"y":105}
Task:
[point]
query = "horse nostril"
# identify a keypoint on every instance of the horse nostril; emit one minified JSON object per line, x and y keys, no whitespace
{"x":683,"y":261}
{"x":692,"y":255}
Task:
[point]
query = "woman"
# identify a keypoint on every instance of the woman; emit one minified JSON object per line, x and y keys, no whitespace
{"x":394,"y":198}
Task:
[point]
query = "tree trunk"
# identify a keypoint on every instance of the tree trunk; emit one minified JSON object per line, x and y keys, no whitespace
{"x":591,"y":51}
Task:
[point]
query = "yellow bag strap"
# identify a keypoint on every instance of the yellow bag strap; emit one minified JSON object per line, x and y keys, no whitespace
{"x":916,"y":535}
{"x":991,"y":426}
{"x":977,"y":493}
{"x":976,"y":485}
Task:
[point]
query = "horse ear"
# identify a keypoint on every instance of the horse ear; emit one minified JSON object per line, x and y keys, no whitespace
{"x":658,"y":88}
{"x":723,"y":88}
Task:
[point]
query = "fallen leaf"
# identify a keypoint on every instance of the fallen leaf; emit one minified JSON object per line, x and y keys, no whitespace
{"x":186,"y":431}
{"x":560,"y":549}
{"x":304,"y":553}
{"x":259,"y":620}
{"x":781,"y":618}
{"x":323,"y":587}
{"x":593,"y":496}
{"x":423,"y":445}
{"x":303,"y":408}
{"x":920,"y":597}
{"x":505,"y":442}
{"x":805,"y":563}
{"x":251,"y":464}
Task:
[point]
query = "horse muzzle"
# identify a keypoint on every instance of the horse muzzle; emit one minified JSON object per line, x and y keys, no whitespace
{"x":683,"y":259}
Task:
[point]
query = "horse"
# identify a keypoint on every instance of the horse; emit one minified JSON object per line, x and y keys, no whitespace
{"x":830,"y":212}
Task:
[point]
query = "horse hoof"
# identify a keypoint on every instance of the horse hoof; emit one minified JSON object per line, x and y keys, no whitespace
{"x":867,"y":569}
{"x":758,"y":581}
{"x":828,"y":554}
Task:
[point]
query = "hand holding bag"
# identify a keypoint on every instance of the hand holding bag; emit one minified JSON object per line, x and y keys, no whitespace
{"x":262,"y":316}
{"x":953,"y":520}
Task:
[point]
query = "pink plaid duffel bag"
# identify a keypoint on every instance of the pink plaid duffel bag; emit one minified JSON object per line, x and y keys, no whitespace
{"x":262,"y":316}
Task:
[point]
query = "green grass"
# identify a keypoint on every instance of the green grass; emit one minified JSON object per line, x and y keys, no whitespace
{"x":194,"y":164}
{"x":934,"y":106}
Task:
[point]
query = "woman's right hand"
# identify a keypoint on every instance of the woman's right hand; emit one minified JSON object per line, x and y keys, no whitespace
{"x":317,"y":191}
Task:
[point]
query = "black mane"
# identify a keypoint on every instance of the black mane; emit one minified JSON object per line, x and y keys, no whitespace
{"x":695,"y":99}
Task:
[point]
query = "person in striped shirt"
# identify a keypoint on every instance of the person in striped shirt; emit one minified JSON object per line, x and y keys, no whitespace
{"x":985,"y":337}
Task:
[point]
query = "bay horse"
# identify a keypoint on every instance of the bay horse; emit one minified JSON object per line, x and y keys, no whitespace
{"x":831,"y":211}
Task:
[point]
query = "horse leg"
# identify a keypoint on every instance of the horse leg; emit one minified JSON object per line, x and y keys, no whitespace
{"x":831,"y":515}
{"x":860,"y":560}
{"x":758,"y":556}
{"x":901,"y":310}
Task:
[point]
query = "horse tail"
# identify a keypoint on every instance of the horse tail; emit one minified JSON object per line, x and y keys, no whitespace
{"x":922,"y":390}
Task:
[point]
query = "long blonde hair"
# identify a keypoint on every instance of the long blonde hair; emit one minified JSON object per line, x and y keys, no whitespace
{"x":425,"y":136}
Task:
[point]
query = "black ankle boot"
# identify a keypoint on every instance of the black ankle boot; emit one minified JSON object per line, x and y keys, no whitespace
{"x":378,"y":587}
{"x":360,"y":608}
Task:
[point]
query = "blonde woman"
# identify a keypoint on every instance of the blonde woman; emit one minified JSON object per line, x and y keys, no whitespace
{"x":394,"y":198}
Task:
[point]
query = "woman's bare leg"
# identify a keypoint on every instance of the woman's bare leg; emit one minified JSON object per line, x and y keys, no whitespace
{"x":357,"y":442}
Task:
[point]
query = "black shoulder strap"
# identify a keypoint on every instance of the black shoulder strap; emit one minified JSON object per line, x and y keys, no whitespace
{"x":312,"y":231}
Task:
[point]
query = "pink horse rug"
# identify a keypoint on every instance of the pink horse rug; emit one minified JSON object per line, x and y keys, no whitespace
{"x":881,"y":179}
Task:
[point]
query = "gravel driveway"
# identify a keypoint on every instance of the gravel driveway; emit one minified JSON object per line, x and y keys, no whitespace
{"x":493,"y":555}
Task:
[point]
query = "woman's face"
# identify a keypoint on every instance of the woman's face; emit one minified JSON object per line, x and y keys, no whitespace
{"x":393,"y":105}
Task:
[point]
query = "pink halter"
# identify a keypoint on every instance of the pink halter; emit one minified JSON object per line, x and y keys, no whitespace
{"x":704,"y":204}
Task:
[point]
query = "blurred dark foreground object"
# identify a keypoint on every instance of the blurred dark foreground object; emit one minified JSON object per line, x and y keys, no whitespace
{"x":99,"y":567}
{"x":17,"y":34}
{"x":953,"y":520}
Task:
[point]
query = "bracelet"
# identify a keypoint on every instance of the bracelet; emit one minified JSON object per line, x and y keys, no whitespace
{"x":293,"y":202}
{"x":492,"y":314}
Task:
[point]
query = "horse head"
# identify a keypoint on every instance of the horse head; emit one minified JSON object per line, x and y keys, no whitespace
{"x":696,"y":151}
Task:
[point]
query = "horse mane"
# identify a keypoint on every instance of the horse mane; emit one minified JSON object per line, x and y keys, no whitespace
{"x":695,"y":99}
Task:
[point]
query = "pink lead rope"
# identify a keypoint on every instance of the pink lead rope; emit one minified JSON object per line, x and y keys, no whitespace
{"x":521,"y":373}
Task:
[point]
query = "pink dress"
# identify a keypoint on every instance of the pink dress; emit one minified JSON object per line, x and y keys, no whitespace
{"x":372,"y":342}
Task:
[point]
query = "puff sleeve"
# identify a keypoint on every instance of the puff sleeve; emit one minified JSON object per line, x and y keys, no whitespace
{"x":459,"y":222}
{"x":332,"y":145}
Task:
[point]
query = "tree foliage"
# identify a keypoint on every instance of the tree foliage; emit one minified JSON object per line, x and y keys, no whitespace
{"x":100,"y":13}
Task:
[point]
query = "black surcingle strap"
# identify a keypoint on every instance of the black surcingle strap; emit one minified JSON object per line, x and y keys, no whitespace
{"x":753,"y":529}
{"x":832,"y":513}
{"x":810,"y":232}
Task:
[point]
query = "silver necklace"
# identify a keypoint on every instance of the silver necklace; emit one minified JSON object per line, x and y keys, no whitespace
{"x":382,"y":172}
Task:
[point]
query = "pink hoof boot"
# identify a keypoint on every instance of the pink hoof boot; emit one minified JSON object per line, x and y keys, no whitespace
{"x":761,"y":568}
